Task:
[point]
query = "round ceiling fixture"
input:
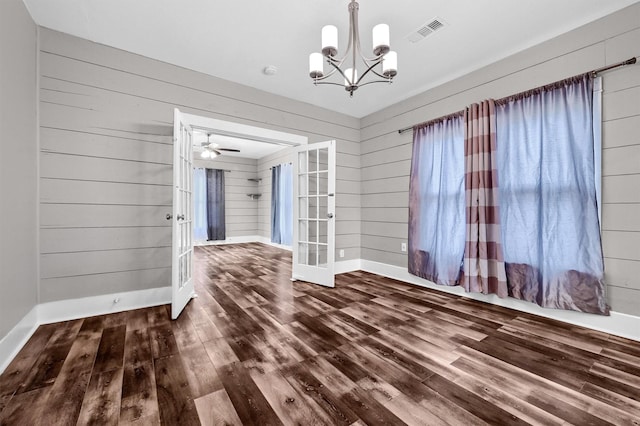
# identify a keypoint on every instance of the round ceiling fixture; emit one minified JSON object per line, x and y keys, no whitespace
{"x":270,"y":70}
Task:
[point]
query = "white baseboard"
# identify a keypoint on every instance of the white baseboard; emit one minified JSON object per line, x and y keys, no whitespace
{"x":244,"y":239}
{"x":65,"y":310}
{"x":231,"y":240}
{"x":345,"y":266}
{"x":267,"y":241}
{"x":11,"y":344}
{"x":617,"y":323}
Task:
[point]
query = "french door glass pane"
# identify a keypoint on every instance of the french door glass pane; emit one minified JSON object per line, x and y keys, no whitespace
{"x":322,"y":231}
{"x":313,"y":207}
{"x":303,"y":232}
{"x":322,"y":255}
{"x":313,"y":255}
{"x":323,"y":182}
{"x":313,"y":184}
{"x":303,"y":250}
{"x":303,"y":212}
{"x":303,"y":186}
{"x":313,"y":231}
{"x":313,"y":160}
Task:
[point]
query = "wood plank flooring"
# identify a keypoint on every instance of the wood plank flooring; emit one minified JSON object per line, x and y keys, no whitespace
{"x":255,"y":348}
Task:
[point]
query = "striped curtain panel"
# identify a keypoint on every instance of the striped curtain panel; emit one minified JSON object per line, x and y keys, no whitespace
{"x":483,"y":263}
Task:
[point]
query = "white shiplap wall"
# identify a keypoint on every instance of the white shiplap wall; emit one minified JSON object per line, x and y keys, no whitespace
{"x":106,"y":131}
{"x":386,"y":155}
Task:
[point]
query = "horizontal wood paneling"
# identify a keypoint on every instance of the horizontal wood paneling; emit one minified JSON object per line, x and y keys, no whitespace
{"x":56,"y":240}
{"x":100,"y":216}
{"x":106,"y":152}
{"x":58,"y":265}
{"x":386,"y":154}
{"x":622,"y":132}
{"x":89,"y":285}
{"x":65,"y":191}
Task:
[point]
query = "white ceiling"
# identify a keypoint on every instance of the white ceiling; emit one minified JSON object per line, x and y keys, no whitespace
{"x":248,"y":148}
{"x":235,"y":40}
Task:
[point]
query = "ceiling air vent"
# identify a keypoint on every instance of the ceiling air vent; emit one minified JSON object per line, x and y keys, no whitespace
{"x":425,"y":30}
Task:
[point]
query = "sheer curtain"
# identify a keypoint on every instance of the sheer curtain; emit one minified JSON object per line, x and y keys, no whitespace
{"x":437,"y":201}
{"x":549,"y":211}
{"x":215,"y":205}
{"x":282,"y":204}
{"x":199,"y":204}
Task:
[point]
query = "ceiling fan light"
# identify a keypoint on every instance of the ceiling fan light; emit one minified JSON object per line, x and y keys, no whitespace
{"x":205,"y":154}
{"x":329,"y":40}
{"x":214,"y":153}
{"x":390,"y":64}
{"x":380,"y":39}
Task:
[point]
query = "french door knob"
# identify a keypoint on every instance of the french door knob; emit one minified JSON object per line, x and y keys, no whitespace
{"x":330,"y":215}
{"x":180,"y":217}
{"x":169,"y":216}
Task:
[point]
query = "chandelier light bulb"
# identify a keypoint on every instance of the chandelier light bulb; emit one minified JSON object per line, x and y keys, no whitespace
{"x":350,"y":73}
{"x":380,"y":39}
{"x":316,"y":65}
{"x":390,"y":64}
{"x":329,"y":40}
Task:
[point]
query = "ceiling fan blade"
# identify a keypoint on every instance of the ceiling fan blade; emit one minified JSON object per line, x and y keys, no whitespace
{"x":229,"y":149}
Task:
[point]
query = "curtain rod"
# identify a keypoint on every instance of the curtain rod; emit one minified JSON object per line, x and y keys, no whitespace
{"x":228,"y":171}
{"x":629,"y":61}
{"x":271,"y":168}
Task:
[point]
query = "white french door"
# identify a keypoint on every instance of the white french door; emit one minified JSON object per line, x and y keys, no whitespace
{"x":182,"y":289}
{"x":314,"y":188}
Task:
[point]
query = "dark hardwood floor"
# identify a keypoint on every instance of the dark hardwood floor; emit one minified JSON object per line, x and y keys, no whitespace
{"x":255,"y":348}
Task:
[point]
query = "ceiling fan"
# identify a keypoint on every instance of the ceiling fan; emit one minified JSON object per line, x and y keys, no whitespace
{"x":211,"y":150}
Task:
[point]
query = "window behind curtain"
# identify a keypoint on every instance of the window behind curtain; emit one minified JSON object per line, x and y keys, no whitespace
{"x":437,"y":201}
{"x":282,"y":204}
{"x":199,"y":204}
{"x":548,"y":209}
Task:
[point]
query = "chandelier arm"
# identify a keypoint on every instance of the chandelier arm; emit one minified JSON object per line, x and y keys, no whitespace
{"x":357,"y":83}
{"x":380,"y":75}
{"x":337,"y":68}
{"x":388,"y":81}
{"x":328,"y":82}
{"x":324,"y":77}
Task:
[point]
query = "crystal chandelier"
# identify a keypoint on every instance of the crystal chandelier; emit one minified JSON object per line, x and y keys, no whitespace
{"x":383,"y":56}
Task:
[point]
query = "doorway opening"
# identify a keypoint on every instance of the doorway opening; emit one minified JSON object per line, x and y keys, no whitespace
{"x":253,"y":159}
{"x":234,"y":168}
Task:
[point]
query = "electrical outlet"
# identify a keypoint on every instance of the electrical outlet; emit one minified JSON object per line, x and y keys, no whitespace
{"x":341,"y":252}
{"x":403,"y":247}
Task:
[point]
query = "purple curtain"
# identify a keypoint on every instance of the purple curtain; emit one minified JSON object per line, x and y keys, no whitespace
{"x":215,"y":205}
{"x":436,"y":201}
